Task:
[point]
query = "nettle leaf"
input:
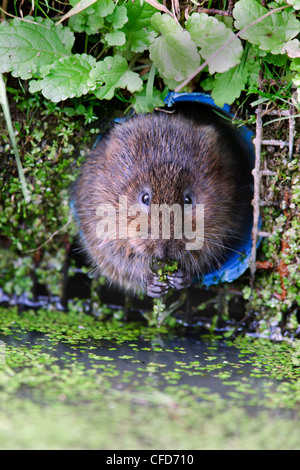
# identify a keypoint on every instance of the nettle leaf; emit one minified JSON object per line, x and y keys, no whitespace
{"x":228,"y":86}
{"x":270,"y":34}
{"x":29,"y":44}
{"x":138,"y":30}
{"x":66,"y":78}
{"x":173,"y":53}
{"x":112,"y":73}
{"x":91,"y":20}
{"x":209,"y":35}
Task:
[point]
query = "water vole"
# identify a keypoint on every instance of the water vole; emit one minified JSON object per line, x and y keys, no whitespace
{"x":186,"y":159}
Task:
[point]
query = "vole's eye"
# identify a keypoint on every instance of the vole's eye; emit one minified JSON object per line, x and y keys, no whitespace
{"x":187,"y":199}
{"x":146,"y":199}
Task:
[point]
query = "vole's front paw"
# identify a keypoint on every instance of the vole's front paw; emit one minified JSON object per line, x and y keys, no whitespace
{"x":179,"y":280}
{"x":155,"y":287}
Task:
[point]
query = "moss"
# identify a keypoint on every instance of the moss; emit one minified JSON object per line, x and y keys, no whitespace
{"x":276,"y":299}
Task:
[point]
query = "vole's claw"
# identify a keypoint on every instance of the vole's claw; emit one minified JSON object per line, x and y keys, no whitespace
{"x":155,"y":287}
{"x":179,"y":280}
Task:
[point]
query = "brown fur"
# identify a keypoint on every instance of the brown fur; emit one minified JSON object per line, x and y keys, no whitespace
{"x":164,"y":155}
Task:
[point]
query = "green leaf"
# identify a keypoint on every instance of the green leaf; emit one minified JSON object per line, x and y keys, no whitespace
{"x":116,"y":38}
{"x":228,"y":86}
{"x":104,"y":7}
{"x":141,"y":102}
{"x":292,"y":48}
{"x":86,"y":23}
{"x":81,"y":5}
{"x":278,"y":59}
{"x":271,"y":33}
{"x":173,"y":53}
{"x":138,"y":30}
{"x":209,"y":35}
{"x":66,"y":78}
{"x":295,"y":67}
{"x":91,"y":20}
{"x":253,"y":67}
{"x":29,"y":44}
{"x":100,"y":7}
{"x":295,"y":4}
{"x":112,"y":73}
{"x":119,"y":17}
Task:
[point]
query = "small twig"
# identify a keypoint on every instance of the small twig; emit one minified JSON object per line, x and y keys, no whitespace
{"x":230,"y":7}
{"x":3,"y":9}
{"x":277,"y":112}
{"x":214,"y":11}
{"x":161,"y":7}
{"x":17,"y":17}
{"x":255,"y":202}
{"x":280,"y":143}
{"x":268,"y":203}
{"x":175,"y":9}
{"x":264,"y":234}
{"x":292,"y":127}
{"x":267,"y":172}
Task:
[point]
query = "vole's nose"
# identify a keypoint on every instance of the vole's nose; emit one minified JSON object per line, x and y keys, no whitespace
{"x":165,"y":250}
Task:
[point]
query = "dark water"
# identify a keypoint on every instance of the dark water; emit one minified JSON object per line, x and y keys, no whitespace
{"x":206,"y":368}
{"x":188,"y":359}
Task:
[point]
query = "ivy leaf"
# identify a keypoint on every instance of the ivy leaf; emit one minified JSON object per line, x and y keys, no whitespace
{"x":116,"y":38}
{"x":209,"y":35}
{"x":138,"y":30}
{"x":78,"y":7}
{"x":119,"y":17}
{"x":29,"y":44}
{"x":112,"y":73}
{"x":228,"y":86}
{"x":86,"y":23}
{"x":91,"y":20}
{"x":65,"y":78}
{"x":100,"y":7}
{"x":271,"y":33}
{"x":173,"y":53}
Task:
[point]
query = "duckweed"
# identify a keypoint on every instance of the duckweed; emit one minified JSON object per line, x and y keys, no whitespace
{"x":107,"y":379}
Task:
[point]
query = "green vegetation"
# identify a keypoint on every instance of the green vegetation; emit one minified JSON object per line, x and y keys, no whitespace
{"x":73,"y":380}
{"x":71,"y":68}
{"x":121,"y":39}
